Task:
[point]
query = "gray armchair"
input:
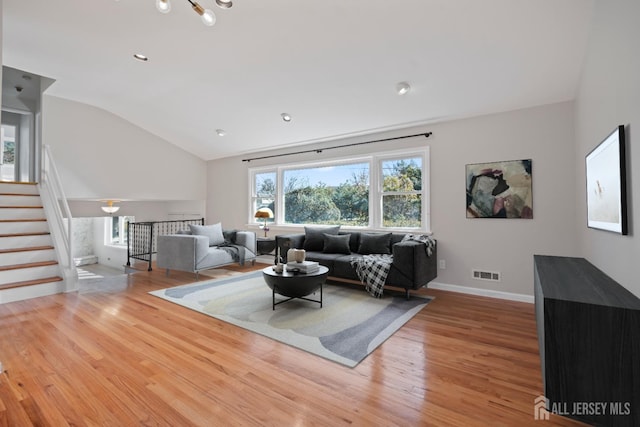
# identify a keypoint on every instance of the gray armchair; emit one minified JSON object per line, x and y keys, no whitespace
{"x":187,"y":252}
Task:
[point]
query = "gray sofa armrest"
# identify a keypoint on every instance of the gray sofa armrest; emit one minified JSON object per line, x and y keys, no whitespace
{"x":284,"y":242}
{"x":248,"y":240}
{"x":411,"y":261}
{"x":181,"y":251}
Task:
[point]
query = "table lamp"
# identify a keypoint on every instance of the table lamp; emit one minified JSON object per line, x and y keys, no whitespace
{"x":264,"y":214}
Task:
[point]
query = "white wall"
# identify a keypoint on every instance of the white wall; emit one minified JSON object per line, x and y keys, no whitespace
{"x":609,"y":96}
{"x":83,"y":237}
{"x":101,"y":156}
{"x":543,"y":134}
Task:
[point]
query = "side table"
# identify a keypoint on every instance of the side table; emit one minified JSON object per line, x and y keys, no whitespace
{"x":266,"y":245}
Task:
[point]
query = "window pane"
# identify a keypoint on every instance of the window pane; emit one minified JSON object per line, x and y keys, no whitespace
{"x":115,"y":229}
{"x":402,"y":210}
{"x":327,"y":195}
{"x":266,"y":184}
{"x":119,"y":226}
{"x":402,"y":175}
{"x":265,"y":188}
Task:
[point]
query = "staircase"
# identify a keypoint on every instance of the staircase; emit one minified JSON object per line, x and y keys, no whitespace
{"x":28,"y":260}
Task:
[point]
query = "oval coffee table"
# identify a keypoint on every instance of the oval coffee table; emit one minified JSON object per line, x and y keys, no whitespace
{"x":295,"y":285}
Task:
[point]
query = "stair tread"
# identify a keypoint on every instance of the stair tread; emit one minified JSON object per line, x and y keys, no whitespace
{"x":23,"y":220}
{"x":28,"y":249}
{"x":20,"y":194}
{"x":31,"y":282}
{"x":34,"y":233}
{"x":28,"y":265}
{"x":19,"y":182}
{"x":20,"y":207}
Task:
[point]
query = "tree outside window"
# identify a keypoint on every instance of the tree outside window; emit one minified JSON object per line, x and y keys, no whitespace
{"x":327,"y":195}
{"x":402,"y":193}
{"x":264,"y":192}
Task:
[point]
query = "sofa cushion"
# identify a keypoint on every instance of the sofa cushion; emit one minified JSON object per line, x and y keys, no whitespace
{"x":213,"y":232}
{"x":314,"y":237}
{"x":354,"y":241}
{"x":336,"y":244}
{"x":323,"y":259}
{"x":378,"y":243}
{"x":343,"y":269}
{"x":229,"y":235}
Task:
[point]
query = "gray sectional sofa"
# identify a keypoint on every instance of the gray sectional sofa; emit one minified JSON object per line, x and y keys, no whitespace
{"x":205,"y":247}
{"x":411,"y":269}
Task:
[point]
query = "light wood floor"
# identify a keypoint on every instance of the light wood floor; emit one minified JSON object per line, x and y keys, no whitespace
{"x":116,"y":356}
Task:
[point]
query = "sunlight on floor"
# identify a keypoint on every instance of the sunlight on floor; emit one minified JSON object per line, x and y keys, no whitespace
{"x":97,"y":271}
{"x":85,"y":274}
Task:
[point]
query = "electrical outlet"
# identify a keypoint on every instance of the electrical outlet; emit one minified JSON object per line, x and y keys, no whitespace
{"x":443,"y":264}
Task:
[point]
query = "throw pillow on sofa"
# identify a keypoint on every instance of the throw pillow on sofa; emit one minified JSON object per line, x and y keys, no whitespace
{"x":314,"y":237}
{"x":336,"y":244}
{"x":213,"y":232}
{"x":378,"y":243}
{"x":229,"y":235}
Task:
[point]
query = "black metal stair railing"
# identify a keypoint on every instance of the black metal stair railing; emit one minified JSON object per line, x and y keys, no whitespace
{"x":142,"y":237}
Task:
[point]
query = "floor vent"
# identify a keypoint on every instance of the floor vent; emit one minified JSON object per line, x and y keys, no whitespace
{"x":493,"y":276}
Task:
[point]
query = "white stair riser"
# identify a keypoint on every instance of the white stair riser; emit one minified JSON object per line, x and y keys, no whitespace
{"x":20,"y":201}
{"x":26,"y":292}
{"x":17,"y":213}
{"x":6,"y":187}
{"x":25,"y":241}
{"x":33,"y":273}
{"x":24,"y":257}
{"x":24,"y":227}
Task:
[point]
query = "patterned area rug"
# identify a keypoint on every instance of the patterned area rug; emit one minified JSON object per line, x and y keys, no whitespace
{"x":349,"y":326}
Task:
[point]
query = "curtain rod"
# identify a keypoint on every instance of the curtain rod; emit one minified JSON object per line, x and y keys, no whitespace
{"x":320,"y":150}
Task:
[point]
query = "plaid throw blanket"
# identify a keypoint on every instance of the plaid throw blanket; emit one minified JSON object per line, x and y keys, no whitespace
{"x":372,"y":271}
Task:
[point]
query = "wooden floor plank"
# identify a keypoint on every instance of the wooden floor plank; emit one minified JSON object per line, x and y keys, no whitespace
{"x":115,"y":355}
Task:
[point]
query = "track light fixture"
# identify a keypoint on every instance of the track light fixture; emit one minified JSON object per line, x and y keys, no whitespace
{"x":206,"y":15}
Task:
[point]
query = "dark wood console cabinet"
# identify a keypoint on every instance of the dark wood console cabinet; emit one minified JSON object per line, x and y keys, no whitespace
{"x":589,"y":336}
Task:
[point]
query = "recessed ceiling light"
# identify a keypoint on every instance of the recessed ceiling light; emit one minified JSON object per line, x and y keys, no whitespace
{"x":403,"y":88}
{"x":224,"y":4}
{"x":140,"y":57}
{"x":286,"y":117}
{"x":163,"y":6}
{"x":221,"y":132}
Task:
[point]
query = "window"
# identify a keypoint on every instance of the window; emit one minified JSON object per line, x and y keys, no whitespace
{"x":7,"y":152}
{"x":384,"y":190}
{"x":337,"y":194}
{"x":264,"y":193}
{"x":116,"y":227}
{"x":402,"y":193}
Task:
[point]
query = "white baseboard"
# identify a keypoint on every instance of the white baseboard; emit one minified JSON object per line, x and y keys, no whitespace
{"x":482,"y":292}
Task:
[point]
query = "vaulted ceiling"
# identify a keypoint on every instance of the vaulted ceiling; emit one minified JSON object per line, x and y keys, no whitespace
{"x":332,"y":65}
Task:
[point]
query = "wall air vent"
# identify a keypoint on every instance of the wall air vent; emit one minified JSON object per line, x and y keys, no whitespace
{"x":493,"y":276}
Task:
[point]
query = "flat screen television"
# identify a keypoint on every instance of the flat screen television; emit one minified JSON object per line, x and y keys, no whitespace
{"x":607,"y":184}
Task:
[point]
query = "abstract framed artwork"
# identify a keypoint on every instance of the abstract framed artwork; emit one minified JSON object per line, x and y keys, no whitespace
{"x":500,"y":190}
{"x":606,"y":175}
